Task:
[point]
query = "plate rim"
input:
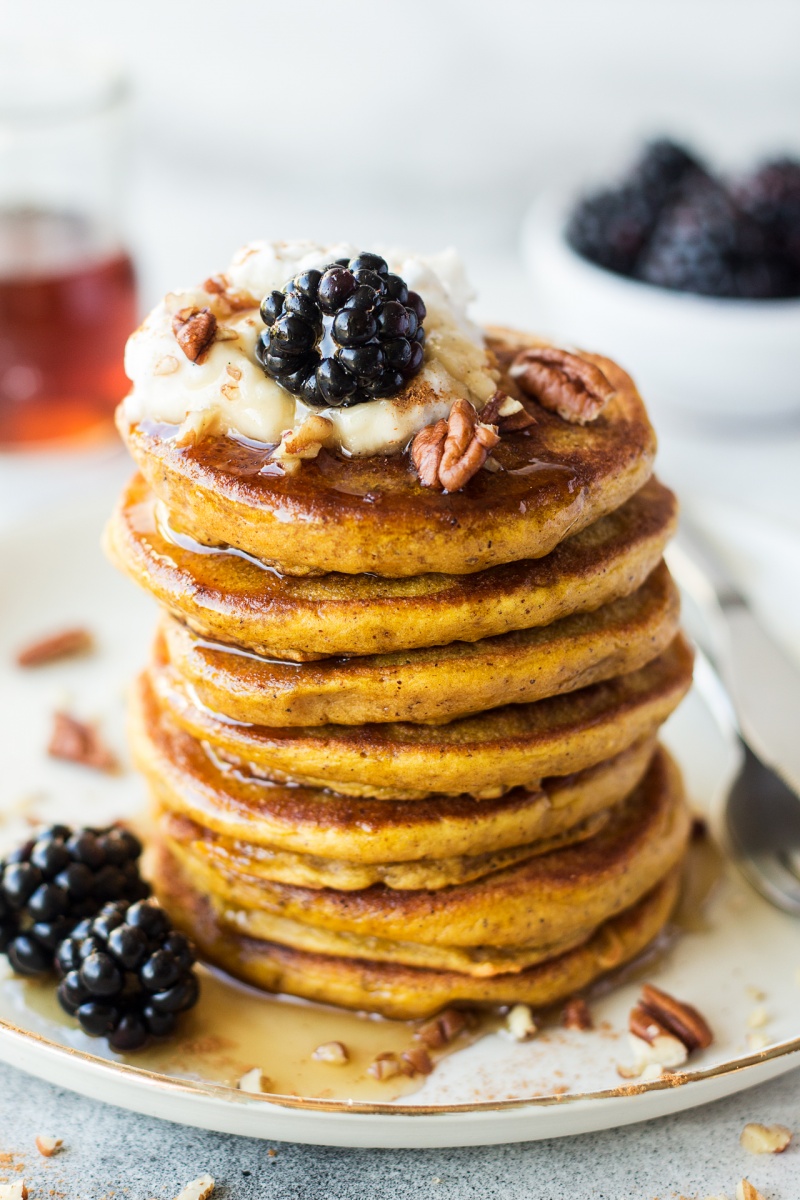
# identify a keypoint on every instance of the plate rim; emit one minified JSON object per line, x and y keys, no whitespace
{"x":196,"y":1089}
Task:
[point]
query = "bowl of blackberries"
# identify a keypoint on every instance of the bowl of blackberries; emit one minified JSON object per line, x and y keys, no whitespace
{"x":689,"y":277}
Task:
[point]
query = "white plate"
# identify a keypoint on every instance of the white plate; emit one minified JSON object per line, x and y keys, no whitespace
{"x":53,"y":573}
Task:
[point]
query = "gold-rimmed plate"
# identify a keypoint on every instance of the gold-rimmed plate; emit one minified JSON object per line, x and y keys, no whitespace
{"x":735,"y":958}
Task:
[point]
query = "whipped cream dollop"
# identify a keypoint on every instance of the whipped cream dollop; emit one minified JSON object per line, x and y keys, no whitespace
{"x":228,"y":392}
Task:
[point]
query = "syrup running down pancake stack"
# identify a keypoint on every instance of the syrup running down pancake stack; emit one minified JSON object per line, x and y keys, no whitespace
{"x":399,"y":726}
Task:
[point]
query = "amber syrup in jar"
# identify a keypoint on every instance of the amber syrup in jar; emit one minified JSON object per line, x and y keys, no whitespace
{"x":67,"y":306}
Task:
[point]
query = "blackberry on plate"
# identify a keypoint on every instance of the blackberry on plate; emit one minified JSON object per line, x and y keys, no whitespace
{"x":56,"y":880}
{"x":346,"y":334}
{"x":612,"y":227}
{"x":127,"y":975}
{"x":704,"y":244}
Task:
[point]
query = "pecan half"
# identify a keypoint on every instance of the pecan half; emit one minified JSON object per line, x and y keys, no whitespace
{"x":677,"y":1018}
{"x":194,"y":329}
{"x":66,"y":644}
{"x":563,"y":382}
{"x":78,"y":742}
{"x":507,"y":414}
{"x":447,"y":454}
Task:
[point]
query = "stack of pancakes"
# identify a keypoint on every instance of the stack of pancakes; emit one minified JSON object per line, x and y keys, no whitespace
{"x":402,"y":744}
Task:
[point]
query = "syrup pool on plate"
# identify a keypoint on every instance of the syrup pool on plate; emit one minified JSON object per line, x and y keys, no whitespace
{"x":235,"y":1028}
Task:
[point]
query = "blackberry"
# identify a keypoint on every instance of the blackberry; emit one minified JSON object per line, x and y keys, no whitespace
{"x":612,"y":227}
{"x":662,"y":166}
{"x":771,"y":196}
{"x":704,"y":244}
{"x":127,"y":975}
{"x":343,"y":335}
{"x":56,"y":880}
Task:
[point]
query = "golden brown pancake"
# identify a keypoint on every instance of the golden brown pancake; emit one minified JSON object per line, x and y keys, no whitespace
{"x":231,"y":598}
{"x":406,"y":992}
{"x":547,"y":900}
{"x":367,"y":834}
{"x":484,"y":755}
{"x":437,"y":683}
{"x":310,"y":871}
{"x":356,"y":515}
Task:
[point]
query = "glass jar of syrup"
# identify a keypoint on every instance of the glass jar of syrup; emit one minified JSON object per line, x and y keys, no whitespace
{"x":67,"y":283}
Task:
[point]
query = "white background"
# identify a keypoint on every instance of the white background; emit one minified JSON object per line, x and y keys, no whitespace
{"x":421,"y":122}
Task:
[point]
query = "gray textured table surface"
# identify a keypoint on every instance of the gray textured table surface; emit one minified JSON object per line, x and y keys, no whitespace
{"x":112,"y":1154}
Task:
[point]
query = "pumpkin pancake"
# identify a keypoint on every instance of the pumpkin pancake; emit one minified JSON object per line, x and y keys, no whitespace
{"x":231,"y":598}
{"x":547,"y":900}
{"x":403,"y":992}
{"x":305,"y":870}
{"x":484,"y":755}
{"x":356,"y":515}
{"x":373,"y":836}
{"x":433,"y":684}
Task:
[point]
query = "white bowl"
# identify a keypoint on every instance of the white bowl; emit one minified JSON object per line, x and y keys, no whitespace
{"x":700,"y":357}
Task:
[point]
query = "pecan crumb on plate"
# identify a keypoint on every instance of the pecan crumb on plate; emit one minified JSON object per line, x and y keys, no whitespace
{"x":78,"y":742}
{"x":67,"y":643}
{"x":331,"y":1052}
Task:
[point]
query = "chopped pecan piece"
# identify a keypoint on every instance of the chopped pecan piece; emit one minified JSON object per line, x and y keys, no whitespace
{"x":677,"y":1018}
{"x":194,"y":329}
{"x":521,"y":1023}
{"x":385,"y":1066}
{"x":746,"y":1191}
{"x":563,"y":382}
{"x":765,"y":1139}
{"x":229,"y":299}
{"x":65,"y":644}
{"x":331,"y":1052}
{"x":416,"y":1061}
{"x":576,"y":1014}
{"x":78,"y":742}
{"x":447,"y":454}
{"x":507,"y":414}
{"x":252,"y":1081}
{"x":48,"y":1146}
{"x":198,"y":1189}
{"x":441,"y":1030}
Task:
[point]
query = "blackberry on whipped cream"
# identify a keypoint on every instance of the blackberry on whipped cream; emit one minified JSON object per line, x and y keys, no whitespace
{"x":228,"y":392}
{"x":345,"y":335}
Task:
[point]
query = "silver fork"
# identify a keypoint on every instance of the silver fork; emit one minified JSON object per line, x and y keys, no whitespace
{"x":758,"y":817}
